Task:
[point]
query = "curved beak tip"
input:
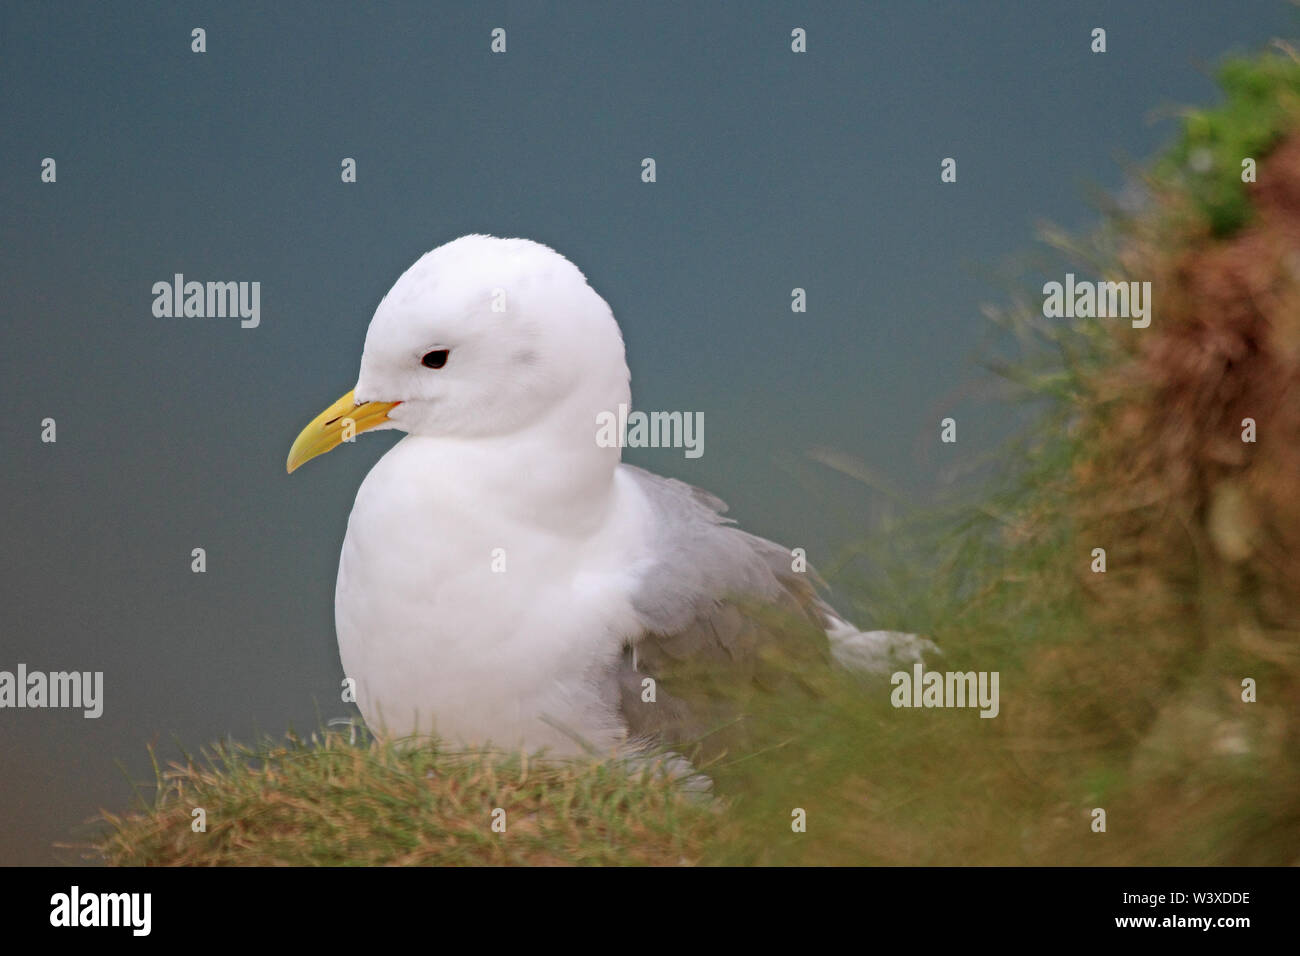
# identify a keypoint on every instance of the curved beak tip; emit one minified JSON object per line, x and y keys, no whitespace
{"x":341,"y":422}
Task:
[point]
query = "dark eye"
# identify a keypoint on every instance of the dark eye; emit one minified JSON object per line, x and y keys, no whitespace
{"x":435,"y":359}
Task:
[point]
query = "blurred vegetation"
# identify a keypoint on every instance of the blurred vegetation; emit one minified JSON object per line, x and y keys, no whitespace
{"x":1261,"y":97}
{"x":1119,"y":690}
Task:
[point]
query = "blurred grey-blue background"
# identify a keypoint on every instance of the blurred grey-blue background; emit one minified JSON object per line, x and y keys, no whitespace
{"x":775,"y":170}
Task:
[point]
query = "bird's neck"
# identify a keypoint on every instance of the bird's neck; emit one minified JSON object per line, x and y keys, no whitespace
{"x":553,"y":472}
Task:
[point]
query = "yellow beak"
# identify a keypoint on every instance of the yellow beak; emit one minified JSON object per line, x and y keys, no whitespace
{"x":341,"y":422}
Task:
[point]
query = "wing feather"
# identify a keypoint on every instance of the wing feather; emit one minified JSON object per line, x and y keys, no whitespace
{"x":724,"y":618}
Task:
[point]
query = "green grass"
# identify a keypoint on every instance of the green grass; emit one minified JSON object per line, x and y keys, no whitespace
{"x":1261,"y":95}
{"x":326,"y":801}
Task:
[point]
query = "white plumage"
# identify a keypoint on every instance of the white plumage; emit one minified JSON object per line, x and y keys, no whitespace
{"x":499,"y":563}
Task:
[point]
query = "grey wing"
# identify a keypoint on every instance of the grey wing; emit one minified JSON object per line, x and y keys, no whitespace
{"x":724,"y":619}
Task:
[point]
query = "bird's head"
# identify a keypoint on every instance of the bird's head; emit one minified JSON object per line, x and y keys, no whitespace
{"x":481,"y":337}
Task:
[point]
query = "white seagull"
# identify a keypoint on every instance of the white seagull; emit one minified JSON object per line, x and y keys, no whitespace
{"x":504,"y":579}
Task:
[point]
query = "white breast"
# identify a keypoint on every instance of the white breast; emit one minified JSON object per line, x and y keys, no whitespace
{"x":481,"y":624}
